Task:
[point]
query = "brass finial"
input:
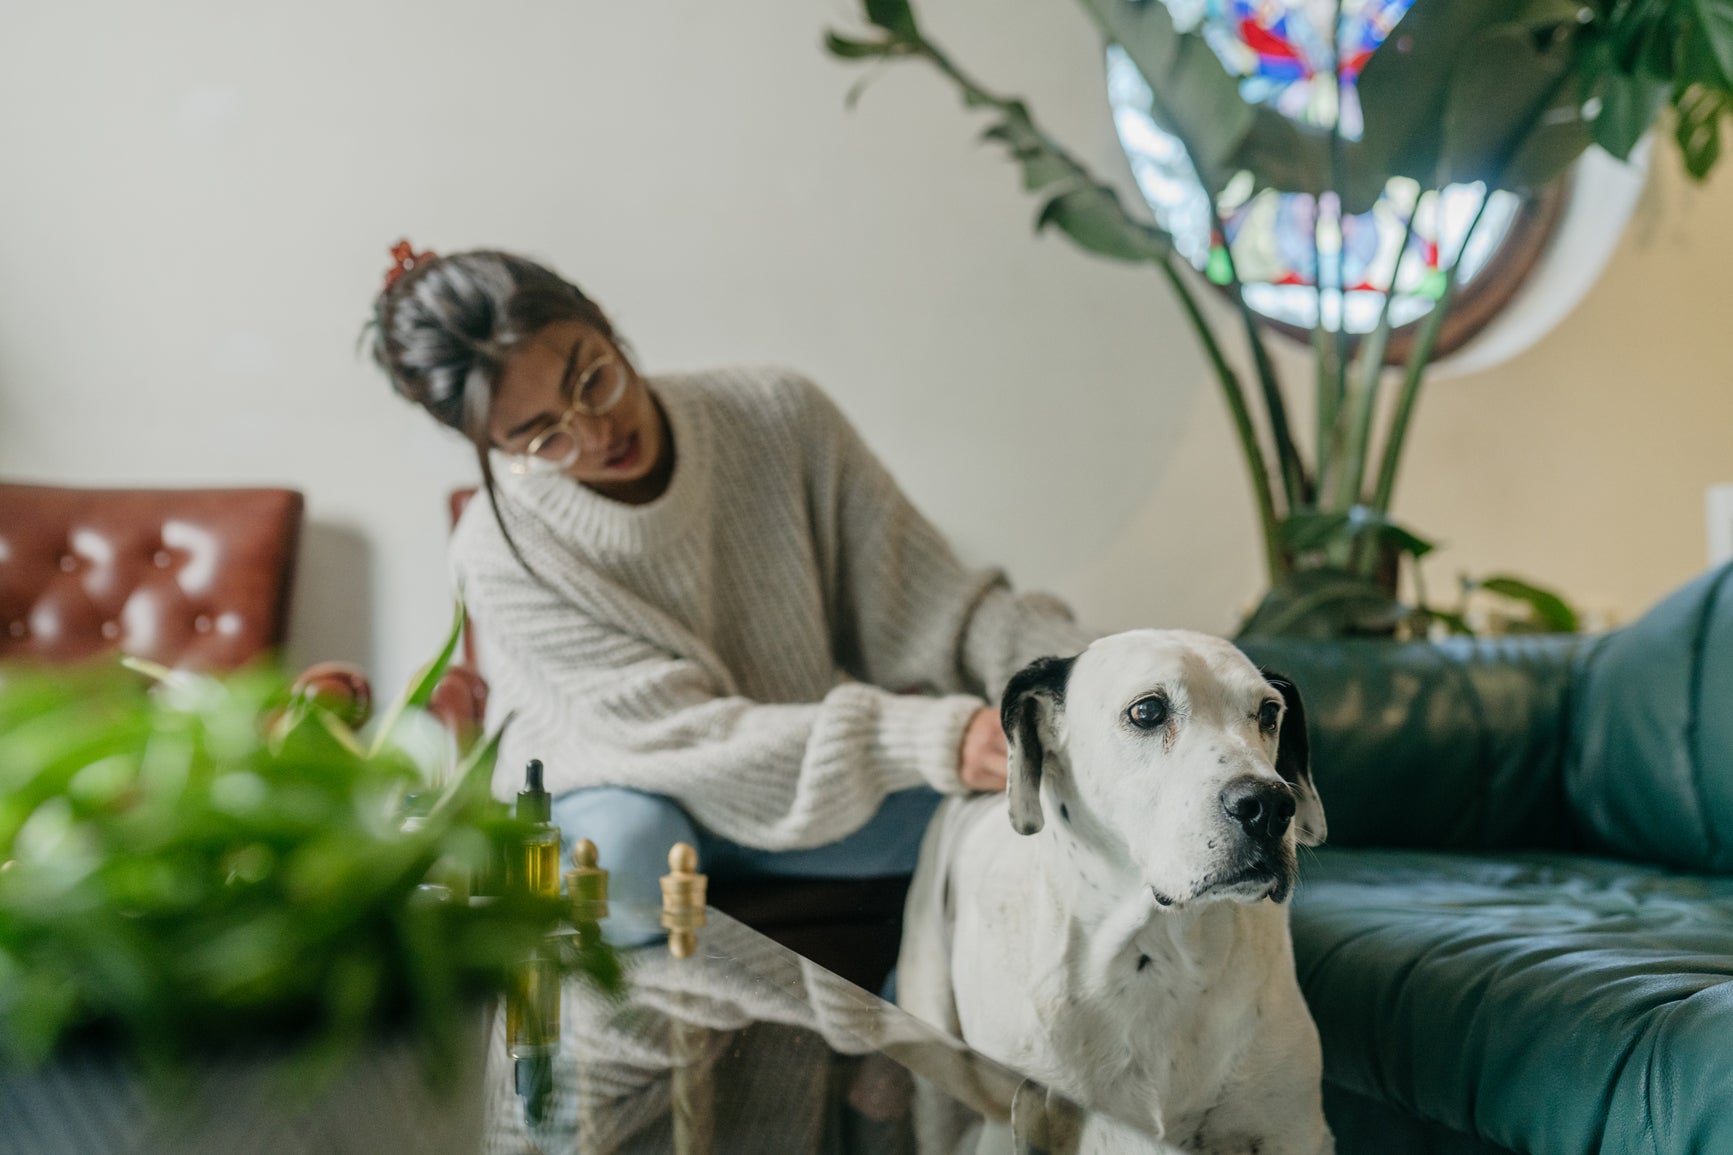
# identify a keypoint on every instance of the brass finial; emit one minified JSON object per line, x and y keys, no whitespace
{"x":586,"y":885}
{"x":683,"y":899}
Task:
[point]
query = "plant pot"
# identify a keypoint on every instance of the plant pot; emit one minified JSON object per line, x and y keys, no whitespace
{"x":1326,"y":603}
{"x":94,"y":1103}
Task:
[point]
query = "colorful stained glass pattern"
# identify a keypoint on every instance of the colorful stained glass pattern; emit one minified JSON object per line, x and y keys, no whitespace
{"x":1298,"y":257}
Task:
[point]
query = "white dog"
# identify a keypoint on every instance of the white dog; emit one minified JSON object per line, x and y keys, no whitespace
{"x":1113,"y":925}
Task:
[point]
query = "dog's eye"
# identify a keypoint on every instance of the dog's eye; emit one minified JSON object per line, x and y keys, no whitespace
{"x":1147,"y":713}
{"x":1269,"y":714}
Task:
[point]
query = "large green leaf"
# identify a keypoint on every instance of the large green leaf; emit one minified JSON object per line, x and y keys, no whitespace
{"x":1042,"y":163}
{"x":1698,"y":128}
{"x":1714,"y":26}
{"x":894,"y":16}
{"x":1512,"y":116}
{"x":1551,"y":613}
{"x":1455,"y":89}
{"x":1089,"y":212}
{"x":1282,"y":155}
{"x":1312,"y":531}
{"x":845,"y":48}
{"x":1198,"y":100}
{"x":1195,"y":97}
{"x":1404,"y":86}
{"x":1629,"y":105}
{"x":1094,"y":217}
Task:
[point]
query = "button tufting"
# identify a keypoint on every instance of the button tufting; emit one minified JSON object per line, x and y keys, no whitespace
{"x":17,"y":629}
{"x":111,"y":629}
{"x":163,"y":559}
{"x":68,"y":563}
{"x":202,"y":623}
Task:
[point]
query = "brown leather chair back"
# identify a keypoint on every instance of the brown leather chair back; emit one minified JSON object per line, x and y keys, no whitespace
{"x":196,"y":578}
{"x":459,"y":502}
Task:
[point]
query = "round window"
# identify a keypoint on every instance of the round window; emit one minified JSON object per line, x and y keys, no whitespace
{"x":1300,"y":260}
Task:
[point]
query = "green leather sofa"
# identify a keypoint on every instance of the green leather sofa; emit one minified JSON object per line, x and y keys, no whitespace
{"x":1520,"y":936}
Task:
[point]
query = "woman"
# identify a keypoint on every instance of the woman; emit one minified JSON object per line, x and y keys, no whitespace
{"x":706,"y":605}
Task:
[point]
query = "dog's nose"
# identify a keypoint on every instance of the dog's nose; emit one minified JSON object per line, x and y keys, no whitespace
{"x":1263,"y":809}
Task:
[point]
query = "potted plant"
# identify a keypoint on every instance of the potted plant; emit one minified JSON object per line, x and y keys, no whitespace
{"x":1499,"y":93}
{"x":217,"y":930}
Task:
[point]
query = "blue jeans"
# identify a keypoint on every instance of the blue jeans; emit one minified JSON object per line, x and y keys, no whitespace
{"x":633,"y":831}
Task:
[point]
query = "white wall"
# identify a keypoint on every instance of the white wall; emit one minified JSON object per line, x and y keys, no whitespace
{"x":195,"y":200}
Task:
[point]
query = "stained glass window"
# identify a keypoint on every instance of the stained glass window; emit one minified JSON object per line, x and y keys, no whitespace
{"x":1295,"y":255}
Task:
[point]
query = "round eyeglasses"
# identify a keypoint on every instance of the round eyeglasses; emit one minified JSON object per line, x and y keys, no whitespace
{"x":555,"y":449}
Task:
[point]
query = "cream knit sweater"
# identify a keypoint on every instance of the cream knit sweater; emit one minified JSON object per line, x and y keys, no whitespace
{"x":776,"y":642}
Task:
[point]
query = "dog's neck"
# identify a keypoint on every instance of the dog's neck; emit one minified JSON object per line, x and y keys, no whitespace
{"x":1204,"y":964}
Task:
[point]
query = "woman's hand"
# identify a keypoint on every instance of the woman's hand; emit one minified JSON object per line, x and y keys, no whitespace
{"x":982,"y":766}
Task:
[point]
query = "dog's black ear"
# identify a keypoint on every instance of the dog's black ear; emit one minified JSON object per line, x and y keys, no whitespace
{"x":1033,"y":699}
{"x":1294,"y":763}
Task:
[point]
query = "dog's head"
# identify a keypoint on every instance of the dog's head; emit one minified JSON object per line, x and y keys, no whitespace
{"x":1172,"y":753}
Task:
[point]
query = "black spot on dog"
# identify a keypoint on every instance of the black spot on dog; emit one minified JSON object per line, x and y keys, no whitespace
{"x":1222,"y":761}
{"x":1064,"y":812}
{"x":1161,"y":899}
{"x":1142,"y":961}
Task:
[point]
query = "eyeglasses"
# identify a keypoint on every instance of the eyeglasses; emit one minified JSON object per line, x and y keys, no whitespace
{"x":555,"y":449}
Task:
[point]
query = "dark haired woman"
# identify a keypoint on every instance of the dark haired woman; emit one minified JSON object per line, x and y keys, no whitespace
{"x":712,"y":611}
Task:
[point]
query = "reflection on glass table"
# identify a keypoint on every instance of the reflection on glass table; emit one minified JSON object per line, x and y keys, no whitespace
{"x":744,"y":1046}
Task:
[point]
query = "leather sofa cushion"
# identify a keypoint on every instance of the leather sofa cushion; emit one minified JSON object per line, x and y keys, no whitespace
{"x":1541,"y":1002}
{"x":1650,"y":766}
{"x":1453,"y":745}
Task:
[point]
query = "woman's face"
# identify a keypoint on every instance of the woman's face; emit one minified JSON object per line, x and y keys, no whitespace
{"x":537,"y":385}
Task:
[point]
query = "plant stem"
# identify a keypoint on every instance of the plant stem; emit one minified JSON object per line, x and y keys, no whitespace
{"x":1415,"y":372}
{"x":1329,"y":409}
{"x":1362,"y":402}
{"x":1330,"y":343}
{"x":1234,"y":394}
{"x":1294,"y":483}
{"x":1337,"y":179}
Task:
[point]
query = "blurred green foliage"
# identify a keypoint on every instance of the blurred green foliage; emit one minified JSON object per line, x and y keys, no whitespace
{"x":196,"y":866}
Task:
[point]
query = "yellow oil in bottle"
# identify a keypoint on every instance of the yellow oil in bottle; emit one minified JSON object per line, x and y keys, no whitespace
{"x":536,"y":863}
{"x":532,"y":1008}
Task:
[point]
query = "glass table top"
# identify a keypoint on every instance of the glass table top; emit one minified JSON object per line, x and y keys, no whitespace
{"x":745,"y":1046}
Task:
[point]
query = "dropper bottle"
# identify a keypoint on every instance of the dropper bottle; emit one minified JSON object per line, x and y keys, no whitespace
{"x":537,"y":860}
{"x":533,"y":1001}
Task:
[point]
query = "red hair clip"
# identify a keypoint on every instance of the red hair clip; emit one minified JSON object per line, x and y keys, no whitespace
{"x":404,"y":258}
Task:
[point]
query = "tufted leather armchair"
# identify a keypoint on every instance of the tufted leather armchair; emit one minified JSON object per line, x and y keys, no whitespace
{"x":195,"y":578}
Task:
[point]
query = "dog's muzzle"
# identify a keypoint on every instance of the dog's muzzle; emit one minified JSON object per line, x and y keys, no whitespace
{"x":1262,"y":864}
{"x":1264,"y":810}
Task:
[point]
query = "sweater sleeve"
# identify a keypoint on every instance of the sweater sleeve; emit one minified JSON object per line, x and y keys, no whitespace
{"x":911,"y":615}
{"x":610,"y":708}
